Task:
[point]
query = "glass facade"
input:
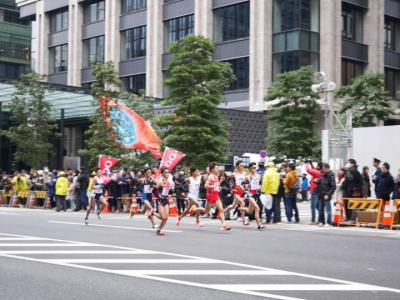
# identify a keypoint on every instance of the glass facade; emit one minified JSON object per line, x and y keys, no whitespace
{"x":296,"y":35}
{"x":240,"y":67}
{"x":93,"y":51}
{"x":352,"y":23}
{"x":176,"y":29}
{"x":93,"y":12}
{"x":135,"y":84}
{"x":59,"y":21}
{"x":392,"y":34}
{"x":232,"y":22}
{"x":132,"y":5}
{"x":133,"y":43}
{"x":392,"y":82}
{"x":350,"y":70}
{"x":58,"y":59}
{"x":10,"y":71}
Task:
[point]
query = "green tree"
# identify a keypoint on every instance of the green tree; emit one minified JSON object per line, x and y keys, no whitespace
{"x":294,"y":107}
{"x":196,"y":86}
{"x":99,"y":136}
{"x":33,"y":127}
{"x":367,"y":98}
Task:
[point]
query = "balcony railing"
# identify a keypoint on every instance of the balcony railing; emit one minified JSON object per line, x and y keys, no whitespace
{"x":392,"y":59}
{"x":355,"y":51}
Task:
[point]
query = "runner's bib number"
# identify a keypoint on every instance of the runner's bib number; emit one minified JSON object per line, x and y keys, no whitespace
{"x":147,"y":189}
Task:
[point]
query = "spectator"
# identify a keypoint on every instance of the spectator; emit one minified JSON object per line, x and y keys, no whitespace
{"x":384,"y":185}
{"x":226,"y":192}
{"x":124,"y":182}
{"x":353,"y":182}
{"x":291,"y":190}
{"x":83,"y":184}
{"x":396,"y":191}
{"x":75,"y":184}
{"x":314,"y":183}
{"x":180,"y":190}
{"x":261,"y":169}
{"x":71,"y":195}
{"x":114,"y":194}
{"x":61,"y":191}
{"x":376,"y":163}
{"x":339,"y":182}
{"x":305,"y":187}
{"x":325,"y":191}
{"x":21,"y":183}
{"x":366,"y":189}
{"x":51,"y":189}
{"x":270,"y":185}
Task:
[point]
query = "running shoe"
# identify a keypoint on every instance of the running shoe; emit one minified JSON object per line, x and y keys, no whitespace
{"x":98,"y":215}
{"x":198,"y":224}
{"x":178,"y":221}
{"x":132,"y":214}
{"x":225,"y":227}
{"x":246,"y":223}
{"x":155,"y":226}
{"x":159,"y":232}
{"x":260,"y":227}
{"x":86,"y":221}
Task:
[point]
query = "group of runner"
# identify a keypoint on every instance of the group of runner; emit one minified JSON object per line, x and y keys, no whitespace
{"x":156,"y":189}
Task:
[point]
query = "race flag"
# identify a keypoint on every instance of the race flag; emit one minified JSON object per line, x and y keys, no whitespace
{"x":107,"y":162}
{"x":171,"y":158}
{"x":130,"y":130}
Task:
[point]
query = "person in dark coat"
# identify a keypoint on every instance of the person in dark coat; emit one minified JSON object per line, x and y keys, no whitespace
{"x":366,"y":190}
{"x":384,"y":183}
{"x":325,"y":191}
{"x":376,"y":163}
{"x":353,"y":182}
{"x":396,"y":191}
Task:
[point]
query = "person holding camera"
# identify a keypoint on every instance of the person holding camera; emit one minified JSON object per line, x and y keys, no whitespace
{"x":314,"y":183}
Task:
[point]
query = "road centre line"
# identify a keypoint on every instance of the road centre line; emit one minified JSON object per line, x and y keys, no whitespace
{"x":112,"y":226}
{"x":239,"y":288}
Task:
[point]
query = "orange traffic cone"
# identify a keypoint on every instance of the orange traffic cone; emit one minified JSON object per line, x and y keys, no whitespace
{"x":173,"y":212}
{"x":106,"y":209}
{"x":134,"y":207}
{"x":47,"y":203}
{"x":337,"y":218}
{"x":3,"y":199}
{"x":387,"y":215}
{"x":31,"y":201}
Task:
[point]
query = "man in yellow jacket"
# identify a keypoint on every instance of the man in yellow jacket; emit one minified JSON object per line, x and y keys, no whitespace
{"x":291,"y":189}
{"x":270,"y":186}
{"x":61,"y":191}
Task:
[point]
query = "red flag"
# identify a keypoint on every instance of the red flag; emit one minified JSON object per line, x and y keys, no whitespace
{"x":130,"y":130}
{"x":107,"y":162}
{"x":171,"y":158}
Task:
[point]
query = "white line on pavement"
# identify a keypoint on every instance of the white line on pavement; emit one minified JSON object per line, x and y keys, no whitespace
{"x":204,"y":272}
{"x":298,"y":287}
{"x":43,"y":245}
{"x":113,"y":226}
{"x":130,"y":261}
{"x":10,"y":214}
{"x":24,"y":252}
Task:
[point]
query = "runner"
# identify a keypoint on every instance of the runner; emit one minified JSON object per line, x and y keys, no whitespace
{"x":194,"y":182}
{"x":147,"y":184}
{"x":165,"y":186}
{"x":96,"y":197}
{"x":212,"y":186}
{"x":239,"y":177}
{"x":252,"y":191}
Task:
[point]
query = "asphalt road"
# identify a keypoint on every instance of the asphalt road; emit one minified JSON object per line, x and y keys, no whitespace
{"x":50,"y":255}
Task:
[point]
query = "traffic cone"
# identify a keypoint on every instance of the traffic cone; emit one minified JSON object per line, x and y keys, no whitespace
{"x":3,"y":199}
{"x":14,"y":201}
{"x":337,"y":218}
{"x":47,"y":203}
{"x":387,"y":215}
{"x":31,"y":201}
{"x":173,"y":212}
{"x":106,"y":209}
{"x":134,"y":207}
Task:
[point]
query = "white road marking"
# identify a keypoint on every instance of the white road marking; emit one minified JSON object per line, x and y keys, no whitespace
{"x":130,"y":261}
{"x":10,"y":214}
{"x":20,"y":239}
{"x":113,"y":226}
{"x":245,"y":289}
{"x":23,"y":252}
{"x":43,"y":245}
{"x":204,"y":272}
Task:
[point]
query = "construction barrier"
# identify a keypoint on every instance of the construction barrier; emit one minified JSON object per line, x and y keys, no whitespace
{"x":368,"y":212}
{"x":5,"y":196}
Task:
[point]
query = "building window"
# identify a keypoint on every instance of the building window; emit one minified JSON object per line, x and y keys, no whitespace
{"x":177,"y":29}
{"x":93,"y":12}
{"x":58,"y":59}
{"x":350,"y":70}
{"x":10,"y":71}
{"x":296,"y":35}
{"x":392,"y":83}
{"x":296,"y":14}
{"x":232,"y":22}
{"x":352,"y":24}
{"x":240,"y":68}
{"x":59,"y":21}
{"x":132,"y":5}
{"x":93,"y":51}
{"x":389,"y":35}
{"x":135,"y":84}
{"x":133,"y":42}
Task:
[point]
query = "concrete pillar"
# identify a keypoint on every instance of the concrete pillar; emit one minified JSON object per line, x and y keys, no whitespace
{"x":154,"y":43}
{"x":112,"y":37}
{"x":260,"y":61}
{"x":203,"y":18}
{"x":75,"y":46}
{"x":42,"y":62}
{"x":374,"y":23}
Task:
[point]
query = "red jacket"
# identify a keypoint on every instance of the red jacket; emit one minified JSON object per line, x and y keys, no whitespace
{"x":316,"y":174}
